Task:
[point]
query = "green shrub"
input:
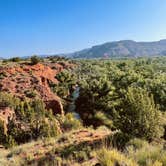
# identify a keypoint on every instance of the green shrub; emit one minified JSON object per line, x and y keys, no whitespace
{"x":15,"y":59}
{"x":30,"y":94}
{"x":108,"y":157}
{"x":33,"y":122}
{"x":2,"y":75}
{"x":120,"y":139}
{"x":35,"y":60}
{"x":137,"y":143}
{"x":70,"y":122}
{"x":148,"y":155}
{"x":7,"y":100}
{"x":138,"y":115}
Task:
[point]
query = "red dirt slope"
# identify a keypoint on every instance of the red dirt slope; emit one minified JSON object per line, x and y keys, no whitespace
{"x":21,"y":79}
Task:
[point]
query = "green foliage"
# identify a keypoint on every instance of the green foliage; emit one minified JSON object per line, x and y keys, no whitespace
{"x":30,"y":94}
{"x":64,"y":88}
{"x":15,"y":59}
{"x":35,"y":59}
{"x":137,"y":143}
{"x":123,"y":94}
{"x":55,"y":59}
{"x":112,"y":157}
{"x":33,"y":121}
{"x":146,"y":154}
{"x":70,"y":122}
{"x":120,"y":139}
{"x":94,"y":101}
{"x":7,"y":100}
{"x":138,"y":115}
{"x":126,"y":95}
{"x":2,"y":75}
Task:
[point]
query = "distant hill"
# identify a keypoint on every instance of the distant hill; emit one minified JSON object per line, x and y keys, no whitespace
{"x":124,"y":48}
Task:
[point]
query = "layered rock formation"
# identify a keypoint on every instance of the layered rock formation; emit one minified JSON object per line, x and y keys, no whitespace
{"x":30,"y":81}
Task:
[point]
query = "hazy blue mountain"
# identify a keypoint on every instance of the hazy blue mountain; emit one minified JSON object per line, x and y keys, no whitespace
{"x":124,"y":48}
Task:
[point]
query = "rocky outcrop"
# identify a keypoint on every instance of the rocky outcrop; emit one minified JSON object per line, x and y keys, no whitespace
{"x":69,"y":142}
{"x":23,"y":80}
{"x":6,"y":114}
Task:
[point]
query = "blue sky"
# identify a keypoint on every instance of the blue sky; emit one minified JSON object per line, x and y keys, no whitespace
{"x":55,"y":26}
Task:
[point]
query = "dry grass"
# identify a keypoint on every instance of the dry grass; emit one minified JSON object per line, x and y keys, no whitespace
{"x":112,"y":157}
{"x":63,"y":145}
{"x":146,"y":154}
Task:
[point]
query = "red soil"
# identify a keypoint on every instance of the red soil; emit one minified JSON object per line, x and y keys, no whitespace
{"x":23,"y":78}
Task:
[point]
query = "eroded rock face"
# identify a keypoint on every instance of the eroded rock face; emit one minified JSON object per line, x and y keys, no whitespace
{"x":6,"y":114}
{"x":23,"y":79}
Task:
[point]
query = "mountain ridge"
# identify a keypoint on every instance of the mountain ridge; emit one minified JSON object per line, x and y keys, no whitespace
{"x":123,"y":48}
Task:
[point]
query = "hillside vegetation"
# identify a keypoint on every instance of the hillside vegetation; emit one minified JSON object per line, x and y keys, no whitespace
{"x":120,"y":107}
{"x":122,"y":49}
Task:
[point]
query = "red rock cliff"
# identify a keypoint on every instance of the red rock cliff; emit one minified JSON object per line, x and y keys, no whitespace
{"x":20,"y":79}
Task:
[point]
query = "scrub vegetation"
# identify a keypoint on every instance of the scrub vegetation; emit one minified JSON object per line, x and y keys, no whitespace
{"x":121,"y":105}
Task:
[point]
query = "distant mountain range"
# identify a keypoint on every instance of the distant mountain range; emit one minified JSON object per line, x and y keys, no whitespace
{"x":124,"y":48}
{"x":117,"y":49}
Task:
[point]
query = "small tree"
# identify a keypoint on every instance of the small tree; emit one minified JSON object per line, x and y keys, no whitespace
{"x":35,"y":60}
{"x":15,"y":59}
{"x":138,"y":115}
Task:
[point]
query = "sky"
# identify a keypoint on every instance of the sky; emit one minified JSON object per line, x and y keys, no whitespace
{"x":40,"y":27}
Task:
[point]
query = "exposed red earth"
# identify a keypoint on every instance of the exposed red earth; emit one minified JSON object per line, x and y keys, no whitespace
{"x":21,"y":78}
